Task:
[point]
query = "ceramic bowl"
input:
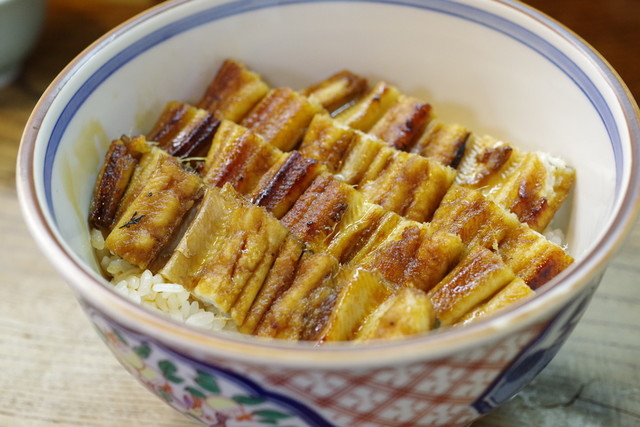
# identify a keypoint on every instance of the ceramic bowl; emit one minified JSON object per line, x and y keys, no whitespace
{"x":20,"y":24}
{"x":497,"y":66}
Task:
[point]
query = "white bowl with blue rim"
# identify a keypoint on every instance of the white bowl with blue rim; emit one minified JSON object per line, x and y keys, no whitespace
{"x":498,"y":67}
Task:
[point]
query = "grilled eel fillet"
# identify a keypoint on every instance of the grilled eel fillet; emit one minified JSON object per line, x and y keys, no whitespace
{"x":405,"y":123}
{"x":150,"y":220}
{"x":377,"y":170}
{"x":119,"y":165}
{"x":464,"y":213}
{"x":240,"y":95}
{"x":275,"y":179}
{"x":238,"y":257}
{"x":227,"y":253}
{"x":309,"y":220}
{"x":183,"y":130}
{"x":285,"y":175}
{"x":337,"y":91}
{"x":479,"y":221}
{"x":532,"y":185}
{"x":233,"y":92}
{"x":331,"y":218}
{"x":213,"y":259}
{"x":293,"y":112}
{"x":228,"y":247}
{"x":515,"y":291}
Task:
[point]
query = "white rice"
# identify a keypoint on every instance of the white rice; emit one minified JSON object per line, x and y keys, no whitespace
{"x":556,"y":235}
{"x":155,"y":293}
{"x":554,"y":166}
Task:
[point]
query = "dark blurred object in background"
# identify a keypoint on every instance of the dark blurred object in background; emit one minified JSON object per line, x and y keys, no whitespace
{"x":612,"y":27}
{"x":20,"y":24}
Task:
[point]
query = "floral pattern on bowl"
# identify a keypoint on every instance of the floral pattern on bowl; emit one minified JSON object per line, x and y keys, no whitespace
{"x":214,"y":396}
{"x":536,"y":356}
{"x":451,"y":391}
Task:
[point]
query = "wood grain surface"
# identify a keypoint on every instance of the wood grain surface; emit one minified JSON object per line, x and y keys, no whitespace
{"x":54,"y":370}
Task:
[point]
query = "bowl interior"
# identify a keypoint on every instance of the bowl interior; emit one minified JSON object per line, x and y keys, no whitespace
{"x":486,"y":65}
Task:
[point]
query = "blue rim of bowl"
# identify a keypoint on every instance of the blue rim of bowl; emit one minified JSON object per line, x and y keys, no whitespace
{"x":226,"y":10}
{"x":196,"y":341}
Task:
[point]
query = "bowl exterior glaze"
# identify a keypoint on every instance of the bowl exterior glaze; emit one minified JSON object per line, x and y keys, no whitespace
{"x":527,"y":73}
{"x":451,"y":391}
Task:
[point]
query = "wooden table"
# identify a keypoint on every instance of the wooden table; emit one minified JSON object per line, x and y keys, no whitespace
{"x":55,"y":370}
